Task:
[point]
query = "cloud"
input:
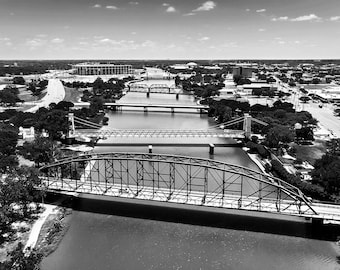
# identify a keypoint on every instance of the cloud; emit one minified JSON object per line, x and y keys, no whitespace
{"x":248,"y":9}
{"x":97,"y":6}
{"x":284,"y":18}
{"x":148,"y":43}
{"x":35,"y":42}
{"x":189,"y":14}
{"x":334,"y":18}
{"x":170,"y":9}
{"x":165,"y":4}
{"x":262,"y":30}
{"x":204,"y":39}
{"x":112,"y":7}
{"x":134,"y":3}
{"x":310,"y":17}
{"x":57,"y":40}
{"x":206,"y":6}
{"x":261,"y":10}
{"x":6,"y":41}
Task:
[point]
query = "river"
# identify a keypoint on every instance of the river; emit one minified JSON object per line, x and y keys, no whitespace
{"x":100,"y":241}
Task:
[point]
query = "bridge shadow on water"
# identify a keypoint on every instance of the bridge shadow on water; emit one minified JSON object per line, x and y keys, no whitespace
{"x":203,"y":216}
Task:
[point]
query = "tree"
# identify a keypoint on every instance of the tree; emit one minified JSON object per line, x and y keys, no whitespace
{"x":279,"y":134}
{"x":55,"y":122}
{"x":41,"y":150}
{"x":96,"y":104}
{"x":327,"y":173}
{"x":9,"y":96}
{"x":177,"y":80}
{"x":64,"y":105}
{"x":19,"y":80}
{"x":20,"y":261}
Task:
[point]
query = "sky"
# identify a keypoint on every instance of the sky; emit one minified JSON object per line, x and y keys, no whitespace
{"x":169,"y":29}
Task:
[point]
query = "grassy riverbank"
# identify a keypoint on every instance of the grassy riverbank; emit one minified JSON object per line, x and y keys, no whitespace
{"x":47,"y":238}
{"x":53,"y":230}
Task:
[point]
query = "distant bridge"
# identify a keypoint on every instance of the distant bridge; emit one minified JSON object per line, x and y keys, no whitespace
{"x":145,"y":106}
{"x":154,"y":88}
{"x":175,"y":179}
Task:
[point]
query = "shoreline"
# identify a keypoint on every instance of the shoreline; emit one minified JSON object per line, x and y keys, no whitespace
{"x":39,"y":236}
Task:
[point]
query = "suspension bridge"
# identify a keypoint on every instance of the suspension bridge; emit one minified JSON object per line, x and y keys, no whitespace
{"x":180,"y":180}
{"x":214,"y":131}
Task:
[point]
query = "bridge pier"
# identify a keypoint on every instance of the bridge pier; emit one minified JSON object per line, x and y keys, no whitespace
{"x":177,"y":96}
{"x":172,"y":110}
{"x":150,"y":149}
{"x":211,"y":149}
{"x":148,"y":94}
{"x":145,"y":109}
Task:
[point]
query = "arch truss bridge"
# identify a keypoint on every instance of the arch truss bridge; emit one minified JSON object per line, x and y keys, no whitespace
{"x":175,"y":179}
{"x":154,"y":88}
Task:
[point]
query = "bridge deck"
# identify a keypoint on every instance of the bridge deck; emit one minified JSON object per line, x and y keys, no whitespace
{"x":228,"y":201}
{"x":164,"y":133}
{"x":147,"y":105}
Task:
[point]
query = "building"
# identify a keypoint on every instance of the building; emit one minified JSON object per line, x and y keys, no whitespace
{"x":245,"y":72}
{"x":93,"y":68}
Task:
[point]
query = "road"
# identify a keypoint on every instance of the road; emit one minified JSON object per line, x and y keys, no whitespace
{"x":55,"y":94}
{"x":325,"y":115}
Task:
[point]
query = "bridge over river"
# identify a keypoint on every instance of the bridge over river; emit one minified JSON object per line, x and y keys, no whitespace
{"x":181,"y":180}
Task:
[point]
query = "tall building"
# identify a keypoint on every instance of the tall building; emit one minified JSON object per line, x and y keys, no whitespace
{"x":102,"y":69}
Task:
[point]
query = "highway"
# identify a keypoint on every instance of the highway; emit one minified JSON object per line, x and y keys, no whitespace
{"x":55,"y":94}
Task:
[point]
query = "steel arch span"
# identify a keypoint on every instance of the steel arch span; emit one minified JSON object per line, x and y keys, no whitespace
{"x":176,"y":179}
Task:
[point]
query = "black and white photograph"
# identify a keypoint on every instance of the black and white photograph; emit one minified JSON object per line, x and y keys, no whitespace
{"x":167,"y":135}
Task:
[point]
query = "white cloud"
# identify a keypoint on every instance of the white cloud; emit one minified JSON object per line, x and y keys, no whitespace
{"x":281,"y":42}
{"x":189,"y":14}
{"x":283,"y":18}
{"x":261,"y":10}
{"x":6,"y":41}
{"x":165,"y":5}
{"x":206,"y":6}
{"x":262,"y":30}
{"x":204,"y":39}
{"x":334,"y":18}
{"x":57,"y":40}
{"x":248,"y":9}
{"x":134,"y":3}
{"x":148,"y":43}
{"x":170,"y":9}
{"x":112,"y":7}
{"x":97,"y":6}
{"x":41,"y":35}
{"x":133,"y":33}
{"x":35,"y":42}
{"x":310,"y":17}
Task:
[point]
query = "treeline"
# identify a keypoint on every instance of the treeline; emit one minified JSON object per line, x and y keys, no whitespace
{"x":109,"y":91}
{"x":202,"y":85}
{"x":315,"y":191}
{"x":52,"y":119}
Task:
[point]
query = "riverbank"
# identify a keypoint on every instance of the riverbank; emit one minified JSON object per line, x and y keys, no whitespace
{"x":40,"y":235}
{"x":53,"y":230}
